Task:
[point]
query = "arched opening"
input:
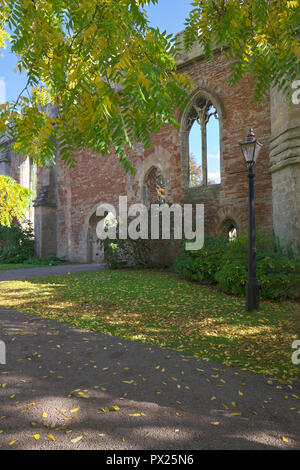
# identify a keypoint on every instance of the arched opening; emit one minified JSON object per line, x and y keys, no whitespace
{"x":154,"y":187}
{"x":230,"y":229}
{"x":204,"y":144}
{"x":195,"y":156}
{"x":95,"y":252}
{"x":232,"y":233}
{"x":213,"y":149}
{"x":201,"y":134}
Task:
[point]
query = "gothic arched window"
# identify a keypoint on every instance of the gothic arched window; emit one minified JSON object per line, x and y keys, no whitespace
{"x":201,"y":133}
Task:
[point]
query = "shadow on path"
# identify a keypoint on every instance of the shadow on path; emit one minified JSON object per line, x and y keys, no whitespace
{"x":78,"y":389}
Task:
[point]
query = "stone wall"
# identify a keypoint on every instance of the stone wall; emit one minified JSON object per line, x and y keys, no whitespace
{"x":97,"y":179}
{"x":67,"y":199}
{"x":285,"y":169}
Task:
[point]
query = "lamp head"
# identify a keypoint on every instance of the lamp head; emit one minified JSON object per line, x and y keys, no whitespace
{"x":251,"y":148}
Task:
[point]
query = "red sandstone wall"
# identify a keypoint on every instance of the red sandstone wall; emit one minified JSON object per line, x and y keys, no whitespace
{"x":96,"y":179}
{"x":240,"y":115}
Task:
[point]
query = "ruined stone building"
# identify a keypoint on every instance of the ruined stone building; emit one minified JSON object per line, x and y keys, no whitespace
{"x":66,"y":199}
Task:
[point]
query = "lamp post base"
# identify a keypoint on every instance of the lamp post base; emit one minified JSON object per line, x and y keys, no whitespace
{"x":252,"y":295}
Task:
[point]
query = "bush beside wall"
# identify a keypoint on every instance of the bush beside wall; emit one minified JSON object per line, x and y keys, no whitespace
{"x":16,"y":243}
{"x":225,"y":264}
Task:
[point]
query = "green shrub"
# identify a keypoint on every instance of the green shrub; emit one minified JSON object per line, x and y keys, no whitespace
{"x":112,"y":254}
{"x":51,"y":261}
{"x":16,"y":243}
{"x":226,"y":265}
{"x":17,"y":246}
{"x":201,"y":265}
{"x":279,"y":276}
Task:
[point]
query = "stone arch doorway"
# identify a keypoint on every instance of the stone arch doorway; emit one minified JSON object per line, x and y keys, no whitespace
{"x":95,"y":253}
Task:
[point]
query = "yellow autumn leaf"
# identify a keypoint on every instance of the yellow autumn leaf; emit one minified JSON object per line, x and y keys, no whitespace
{"x":36,"y":436}
{"x":293,"y":4}
{"x":285,"y":439}
{"x":114,"y":408}
{"x":45,"y":415}
{"x":76,"y":439}
{"x":50,"y":436}
{"x":75,"y":410}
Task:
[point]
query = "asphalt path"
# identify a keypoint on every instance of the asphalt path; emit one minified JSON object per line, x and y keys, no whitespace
{"x":40,"y":271}
{"x":64,"y":387}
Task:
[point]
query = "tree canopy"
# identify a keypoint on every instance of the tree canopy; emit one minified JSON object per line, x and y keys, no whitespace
{"x":14,"y":200}
{"x":260,"y":37}
{"x":110,"y":77}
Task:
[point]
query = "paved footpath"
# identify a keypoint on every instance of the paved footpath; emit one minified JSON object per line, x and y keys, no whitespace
{"x":60,"y":269}
{"x":64,"y":387}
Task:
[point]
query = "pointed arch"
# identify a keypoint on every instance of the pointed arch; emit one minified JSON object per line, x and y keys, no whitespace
{"x":201,"y":140}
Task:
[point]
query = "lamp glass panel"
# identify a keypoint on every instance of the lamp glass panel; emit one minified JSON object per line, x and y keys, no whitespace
{"x":248,"y":151}
{"x":258,"y":147}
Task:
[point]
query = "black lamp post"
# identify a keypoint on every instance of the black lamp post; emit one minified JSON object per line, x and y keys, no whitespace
{"x":251,"y":149}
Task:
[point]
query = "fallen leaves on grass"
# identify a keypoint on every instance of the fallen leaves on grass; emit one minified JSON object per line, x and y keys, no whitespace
{"x":161,"y":309}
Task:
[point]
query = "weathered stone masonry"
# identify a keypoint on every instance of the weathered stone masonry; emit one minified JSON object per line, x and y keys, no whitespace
{"x":67,"y":199}
{"x":96,"y":180}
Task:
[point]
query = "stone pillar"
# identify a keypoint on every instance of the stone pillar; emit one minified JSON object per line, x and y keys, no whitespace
{"x":5,"y":160}
{"x":45,"y":220}
{"x":285,"y":169}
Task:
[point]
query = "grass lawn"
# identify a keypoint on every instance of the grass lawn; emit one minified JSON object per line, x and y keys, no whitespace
{"x":39,"y":264}
{"x":4,"y":266}
{"x":161,"y":309}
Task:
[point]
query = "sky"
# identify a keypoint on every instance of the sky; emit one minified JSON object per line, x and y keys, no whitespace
{"x":167,"y":15}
